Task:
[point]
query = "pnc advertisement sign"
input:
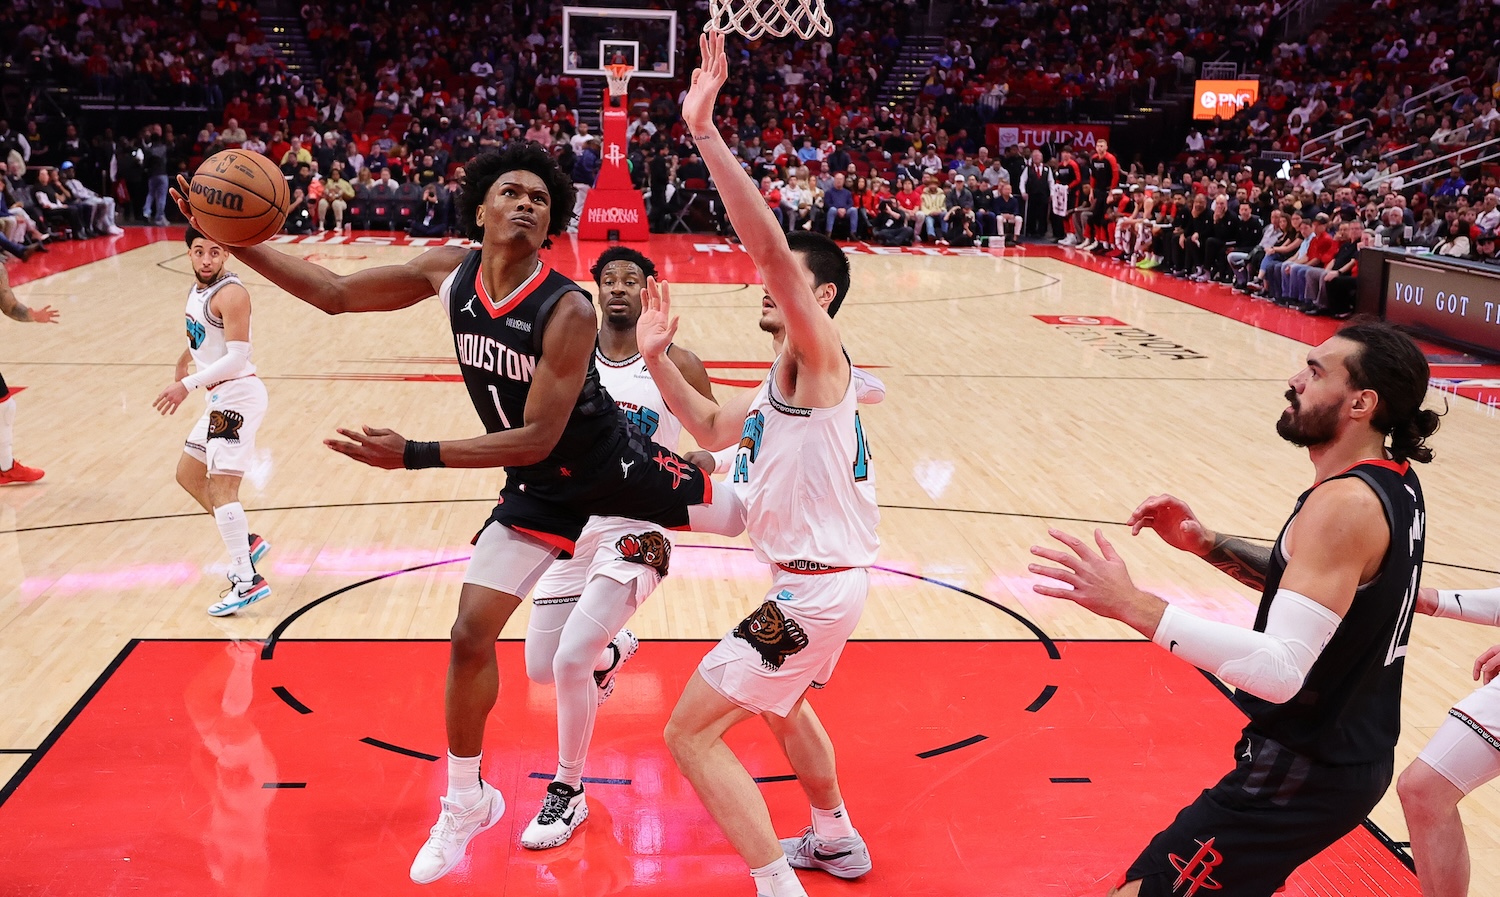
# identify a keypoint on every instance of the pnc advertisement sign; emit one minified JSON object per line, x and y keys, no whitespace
{"x":1222,"y":99}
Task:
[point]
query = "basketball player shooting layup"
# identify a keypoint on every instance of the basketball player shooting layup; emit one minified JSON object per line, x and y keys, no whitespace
{"x":11,"y":470}
{"x":222,"y":445}
{"x":1463,"y":754}
{"x":525,"y":338}
{"x":804,"y":471}
{"x":580,"y":604}
{"x":1320,"y":674}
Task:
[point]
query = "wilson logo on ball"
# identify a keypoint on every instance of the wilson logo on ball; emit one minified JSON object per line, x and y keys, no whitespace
{"x":213,"y":196}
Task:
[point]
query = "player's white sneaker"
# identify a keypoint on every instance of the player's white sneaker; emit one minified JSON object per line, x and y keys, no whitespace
{"x":625,"y":644}
{"x":843,"y":857}
{"x":450,"y":837}
{"x":1069,"y":240}
{"x":563,"y":811}
{"x":240,"y":595}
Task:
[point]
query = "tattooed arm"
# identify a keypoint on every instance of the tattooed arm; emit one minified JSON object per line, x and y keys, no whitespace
{"x":1175,"y":522}
{"x":12,"y":308}
{"x":1242,"y":560}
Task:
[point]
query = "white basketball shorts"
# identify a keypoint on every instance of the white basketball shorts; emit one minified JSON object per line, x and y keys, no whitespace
{"x":224,"y":437}
{"x":623,"y":550}
{"x":791,"y":642}
{"x":1466,"y":747}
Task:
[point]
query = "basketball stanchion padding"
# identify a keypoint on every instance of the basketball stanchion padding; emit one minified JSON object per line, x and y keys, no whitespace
{"x":239,"y":198}
{"x":773,"y":18}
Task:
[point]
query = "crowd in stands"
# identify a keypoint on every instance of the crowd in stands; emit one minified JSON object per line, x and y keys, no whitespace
{"x":404,"y":94}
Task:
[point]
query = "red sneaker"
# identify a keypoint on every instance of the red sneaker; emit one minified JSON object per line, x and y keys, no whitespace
{"x":20,"y":473}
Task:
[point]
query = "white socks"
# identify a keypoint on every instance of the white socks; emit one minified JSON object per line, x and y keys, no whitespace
{"x":776,"y":879}
{"x":463,"y":780}
{"x":832,"y":823}
{"x":236,"y":533}
{"x":7,"y":423}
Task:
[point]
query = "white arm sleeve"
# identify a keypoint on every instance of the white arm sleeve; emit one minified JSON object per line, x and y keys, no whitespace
{"x":1271,"y":665}
{"x":1481,"y":606}
{"x":868,"y":390}
{"x":235,"y":363}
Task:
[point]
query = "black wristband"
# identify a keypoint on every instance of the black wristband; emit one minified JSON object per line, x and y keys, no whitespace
{"x":418,"y":455}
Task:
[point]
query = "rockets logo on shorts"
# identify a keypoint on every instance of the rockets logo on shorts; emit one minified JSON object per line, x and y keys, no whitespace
{"x":225,"y":425}
{"x":1195,"y":874}
{"x":680,"y":471}
{"x":773,"y":634}
{"x":650,"y":548}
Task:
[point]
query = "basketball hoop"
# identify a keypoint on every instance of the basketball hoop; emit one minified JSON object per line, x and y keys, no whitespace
{"x":618,"y":76}
{"x":776,"y":18}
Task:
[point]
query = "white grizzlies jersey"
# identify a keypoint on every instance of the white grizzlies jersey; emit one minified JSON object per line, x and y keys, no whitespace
{"x":630,"y":385}
{"x":807,"y":481}
{"x":205,"y":331}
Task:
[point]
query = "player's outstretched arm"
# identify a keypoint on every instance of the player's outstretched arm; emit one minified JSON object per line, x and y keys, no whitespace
{"x":12,"y":308}
{"x":1340,"y":541}
{"x":566,"y":345}
{"x":714,"y":426}
{"x":384,"y":288}
{"x":810,"y":334}
{"x":1471,"y":605}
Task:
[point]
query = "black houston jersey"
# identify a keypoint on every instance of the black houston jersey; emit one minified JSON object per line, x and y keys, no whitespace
{"x":499,"y":344}
{"x":1349,"y":709}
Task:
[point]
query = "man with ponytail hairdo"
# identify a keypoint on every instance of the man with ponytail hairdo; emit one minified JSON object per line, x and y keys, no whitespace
{"x":1319,"y":674}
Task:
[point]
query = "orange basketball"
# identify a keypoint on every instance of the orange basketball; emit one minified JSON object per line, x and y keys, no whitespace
{"x":239,"y":198}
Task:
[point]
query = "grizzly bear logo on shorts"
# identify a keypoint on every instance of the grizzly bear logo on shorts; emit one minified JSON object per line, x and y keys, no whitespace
{"x":773,"y":634}
{"x":225,"y":425}
{"x":650,"y":548}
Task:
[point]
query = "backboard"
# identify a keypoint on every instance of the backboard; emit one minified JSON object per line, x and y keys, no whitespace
{"x":594,"y":36}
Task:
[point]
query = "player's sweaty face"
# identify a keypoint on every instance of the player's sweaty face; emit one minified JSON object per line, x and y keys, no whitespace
{"x":519,"y":206}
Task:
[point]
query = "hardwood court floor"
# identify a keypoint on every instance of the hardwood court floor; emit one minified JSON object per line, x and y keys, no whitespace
{"x":1007,"y":411}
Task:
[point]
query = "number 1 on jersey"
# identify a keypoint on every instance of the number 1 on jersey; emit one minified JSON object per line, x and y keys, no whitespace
{"x":495,"y":394}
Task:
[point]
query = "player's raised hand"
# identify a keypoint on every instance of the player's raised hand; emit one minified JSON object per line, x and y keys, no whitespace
{"x":179,"y":196}
{"x":1174,"y":521}
{"x":1487,"y":666}
{"x":708,"y":77}
{"x":45,"y":315}
{"x":656,"y":326}
{"x":374,"y":446}
{"x":1097,"y":580}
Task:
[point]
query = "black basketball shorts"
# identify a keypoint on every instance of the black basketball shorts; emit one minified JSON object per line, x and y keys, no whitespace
{"x":1244,"y":836}
{"x":626,"y":475}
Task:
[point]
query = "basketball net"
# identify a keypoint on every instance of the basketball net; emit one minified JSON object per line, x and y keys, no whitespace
{"x":618,"y":76}
{"x":776,"y":18}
